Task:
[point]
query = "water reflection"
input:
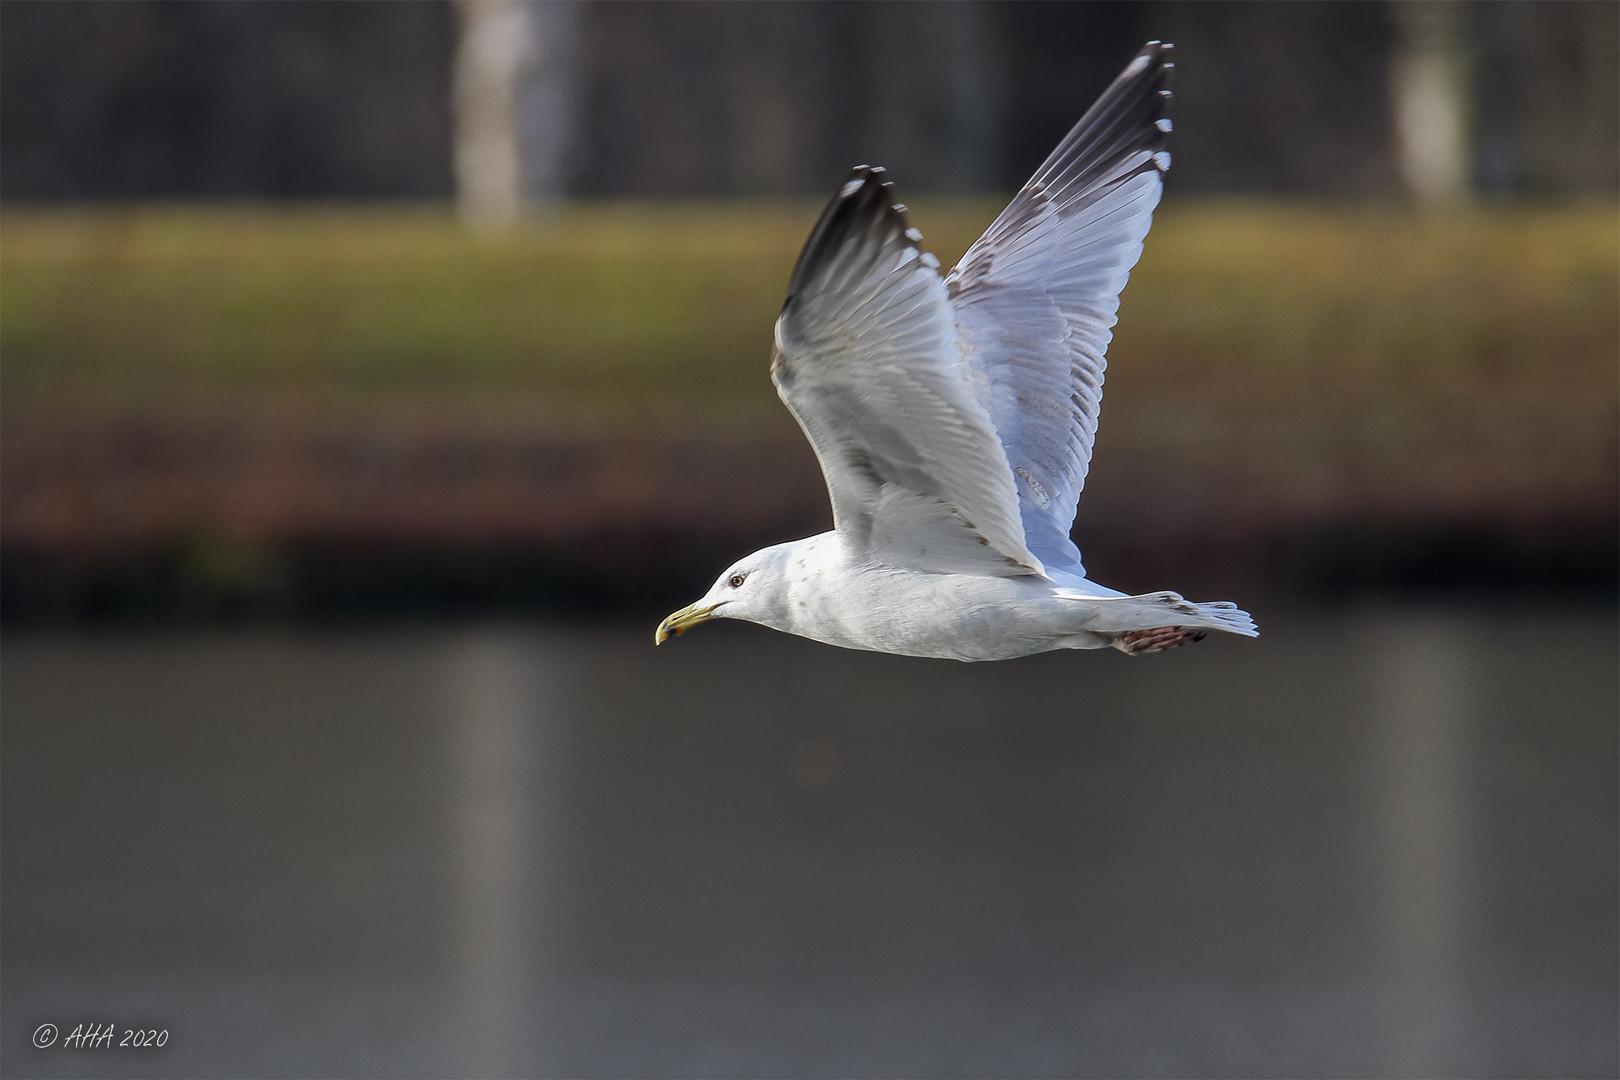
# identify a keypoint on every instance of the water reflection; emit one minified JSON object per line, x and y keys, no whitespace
{"x":497,"y":730}
{"x":1376,"y":845}
{"x":1423,"y":678}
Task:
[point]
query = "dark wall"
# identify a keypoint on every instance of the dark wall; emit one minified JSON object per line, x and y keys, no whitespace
{"x":168,"y":99}
{"x":327,"y":99}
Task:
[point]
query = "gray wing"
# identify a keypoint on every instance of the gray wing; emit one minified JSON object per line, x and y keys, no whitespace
{"x":1035,"y":298}
{"x":866,"y":360}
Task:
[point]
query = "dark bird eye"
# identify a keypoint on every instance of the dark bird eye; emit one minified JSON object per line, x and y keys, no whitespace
{"x":736,"y":581}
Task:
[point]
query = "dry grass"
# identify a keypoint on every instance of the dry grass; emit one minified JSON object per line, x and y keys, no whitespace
{"x":643,"y":305}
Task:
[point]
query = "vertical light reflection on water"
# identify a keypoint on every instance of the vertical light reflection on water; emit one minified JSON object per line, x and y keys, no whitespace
{"x":494,"y":698}
{"x":1423,"y":680}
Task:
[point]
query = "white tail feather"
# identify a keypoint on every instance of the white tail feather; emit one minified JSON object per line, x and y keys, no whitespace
{"x":1123,"y":614}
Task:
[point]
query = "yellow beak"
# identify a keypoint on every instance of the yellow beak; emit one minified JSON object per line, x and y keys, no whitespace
{"x":682,"y":621}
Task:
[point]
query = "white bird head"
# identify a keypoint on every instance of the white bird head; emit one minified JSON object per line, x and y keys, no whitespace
{"x":753,"y":588}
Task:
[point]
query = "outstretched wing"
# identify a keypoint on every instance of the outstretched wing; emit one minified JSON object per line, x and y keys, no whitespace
{"x":1035,"y":298}
{"x":866,"y":360}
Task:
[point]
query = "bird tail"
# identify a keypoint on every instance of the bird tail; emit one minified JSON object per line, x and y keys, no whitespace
{"x":1124,"y":614}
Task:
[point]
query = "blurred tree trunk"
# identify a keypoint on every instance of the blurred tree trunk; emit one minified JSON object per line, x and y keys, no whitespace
{"x":513,"y":94}
{"x":1429,"y":93}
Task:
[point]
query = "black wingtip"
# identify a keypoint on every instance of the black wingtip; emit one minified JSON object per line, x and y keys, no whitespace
{"x":864,"y":205}
{"x":1128,"y":118}
{"x":1150,"y":69}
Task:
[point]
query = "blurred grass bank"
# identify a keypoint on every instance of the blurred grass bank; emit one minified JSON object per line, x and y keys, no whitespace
{"x":372,"y":410}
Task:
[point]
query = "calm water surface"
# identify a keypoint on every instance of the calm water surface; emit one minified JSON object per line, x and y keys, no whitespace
{"x":1370,"y":843}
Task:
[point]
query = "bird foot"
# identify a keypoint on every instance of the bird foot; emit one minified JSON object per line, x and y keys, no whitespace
{"x":1157,"y":639}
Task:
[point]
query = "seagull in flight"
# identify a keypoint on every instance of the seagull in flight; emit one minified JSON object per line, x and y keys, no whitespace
{"x":954,"y":416}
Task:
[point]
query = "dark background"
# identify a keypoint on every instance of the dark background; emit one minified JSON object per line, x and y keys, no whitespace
{"x":154,"y":99}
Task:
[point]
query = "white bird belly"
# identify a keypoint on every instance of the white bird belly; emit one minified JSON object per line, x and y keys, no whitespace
{"x":948,"y":616}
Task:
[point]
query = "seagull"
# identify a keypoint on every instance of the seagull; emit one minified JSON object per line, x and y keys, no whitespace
{"x":953,"y":417}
